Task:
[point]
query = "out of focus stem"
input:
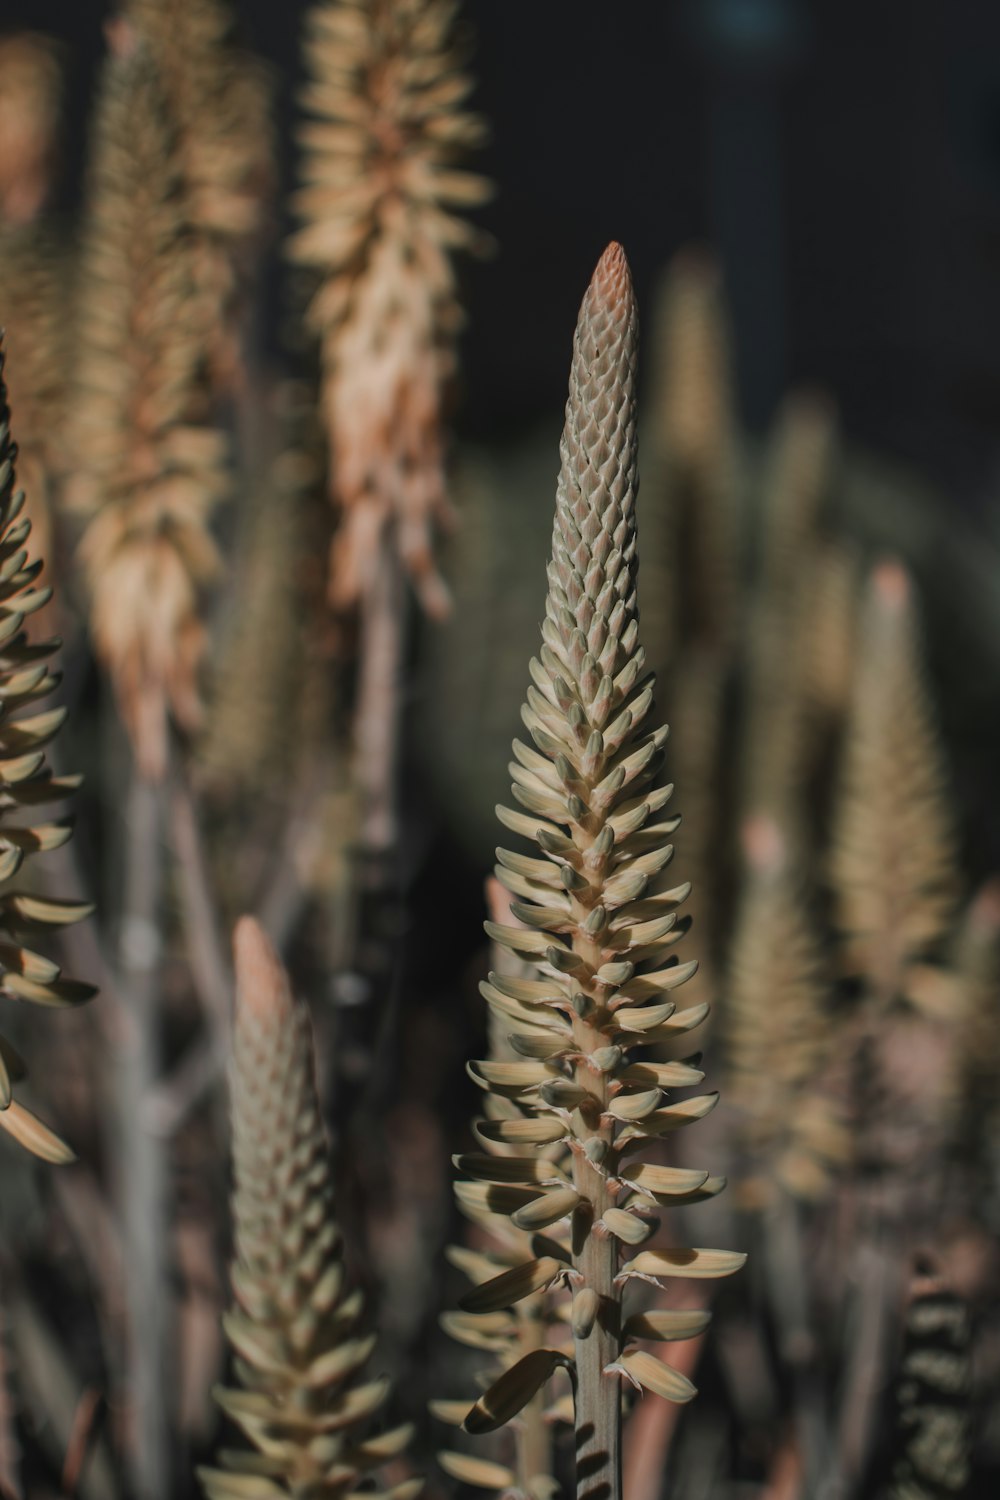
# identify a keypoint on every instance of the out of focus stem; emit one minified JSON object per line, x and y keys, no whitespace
{"x":141,"y":1159}
{"x":378,"y":707}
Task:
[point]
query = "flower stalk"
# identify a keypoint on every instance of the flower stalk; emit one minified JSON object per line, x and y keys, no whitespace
{"x":599,"y":917}
{"x":304,"y":1399}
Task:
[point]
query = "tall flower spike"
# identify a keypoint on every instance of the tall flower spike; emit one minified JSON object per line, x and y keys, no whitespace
{"x":25,"y":784}
{"x":299,"y":1354}
{"x":930,"y":1438}
{"x":827,"y":652}
{"x":33,"y":313}
{"x":893,"y":858}
{"x":258,"y":706}
{"x":599,"y":920}
{"x":797,"y":477}
{"x":778,"y":1031}
{"x":150,"y":472}
{"x":30,"y":89}
{"x":386,"y":130}
{"x":696,"y":457}
{"x":220,"y":101}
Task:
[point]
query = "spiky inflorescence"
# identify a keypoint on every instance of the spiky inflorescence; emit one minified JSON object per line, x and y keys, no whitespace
{"x":893,"y":856}
{"x":826,"y":657}
{"x":796,"y":478}
{"x":149,"y":470}
{"x":219,"y":99}
{"x":797,"y":475}
{"x":931,"y":1437}
{"x":223,"y":156}
{"x":696,"y":461}
{"x":34,"y":316}
{"x":538,"y":1320}
{"x":778,"y":1029}
{"x":697,"y":396}
{"x":257,"y":708}
{"x":380,"y":187}
{"x":26,"y":783}
{"x":304,"y":1399}
{"x":30,"y":88}
{"x":599,"y":919}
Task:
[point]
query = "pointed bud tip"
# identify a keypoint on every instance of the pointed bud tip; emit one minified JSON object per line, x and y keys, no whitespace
{"x":262,"y":988}
{"x":696,"y":267}
{"x":985,"y":912}
{"x":613,"y":257}
{"x":811,"y":405}
{"x":612,"y":278}
{"x":764,"y":846}
{"x":891,"y":584}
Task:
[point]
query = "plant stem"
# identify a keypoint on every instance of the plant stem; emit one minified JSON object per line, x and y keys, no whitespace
{"x":865,"y":1376}
{"x":142,"y":1168}
{"x":206,"y":950}
{"x":598,"y":1398}
{"x":10,"y":1447}
{"x":784,"y":1263}
{"x":376,"y":720}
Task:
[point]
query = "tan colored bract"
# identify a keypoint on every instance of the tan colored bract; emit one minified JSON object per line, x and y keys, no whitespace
{"x":32,"y":275}
{"x":779,"y":1030}
{"x":26,"y":783}
{"x":219,"y":101}
{"x":150,"y":470}
{"x":600,"y":919}
{"x":304,"y":1400}
{"x":385,"y":133}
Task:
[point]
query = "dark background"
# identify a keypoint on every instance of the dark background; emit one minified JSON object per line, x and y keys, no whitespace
{"x":843,"y":157}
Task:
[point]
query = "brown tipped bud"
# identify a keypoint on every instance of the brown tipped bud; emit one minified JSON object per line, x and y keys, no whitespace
{"x":262,"y":988}
{"x":292,"y":1326}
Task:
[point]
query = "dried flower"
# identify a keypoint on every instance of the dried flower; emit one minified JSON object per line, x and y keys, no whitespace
{"x":796,"y":479}
{"x":30,"y":88}
{"x":385,"y":132}
{"x":149,"y":471}
{"x":219,"y":102}
{"x":304,"y":1398}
